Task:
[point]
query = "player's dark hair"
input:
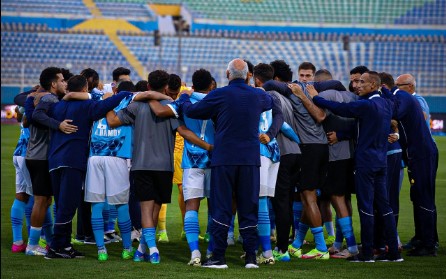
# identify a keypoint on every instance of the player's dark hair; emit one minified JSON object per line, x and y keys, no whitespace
{"x":201,"y":80}
{"x":307,"y":66}
{"x":250,"y":66}
{"x":174,"y":82}
{"x":76,"y":83}
{"x":119,"y":72}
{"x":126,"y":85}
{"x":158,"y":79}
{"x":141,"y":85}
{"x":387,"y":79}
{"x":282,"y":70}
{"x":263,"y":72}
{"x":49,"y":75}
{"x":359,"y":70}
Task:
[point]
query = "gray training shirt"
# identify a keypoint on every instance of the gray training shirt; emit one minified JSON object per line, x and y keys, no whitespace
{"x":153,"y":137}
{"x":39,"y":136}
{"x":309,"y":132}
{"x":286,"y":145}
{"x":343,"y":149}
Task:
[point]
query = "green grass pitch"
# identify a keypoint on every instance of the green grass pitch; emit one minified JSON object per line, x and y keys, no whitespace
{"x":175,"y":255}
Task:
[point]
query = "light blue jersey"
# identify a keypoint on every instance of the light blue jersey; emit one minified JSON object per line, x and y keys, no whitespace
{"x":193,"y":155}
{"x":271,"y":149}
{"x":116,"y":142}
{"x":20,"y":149}
{"x":424,"y":108}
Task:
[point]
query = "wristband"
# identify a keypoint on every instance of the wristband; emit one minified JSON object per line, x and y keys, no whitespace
{"x":397,"y":135}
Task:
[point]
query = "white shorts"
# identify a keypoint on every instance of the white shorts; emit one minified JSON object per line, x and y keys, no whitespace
{"x":268,"y":177}
{"x":107,"y":177}
{"x":196,"y":183}
{"x":22,"y":178}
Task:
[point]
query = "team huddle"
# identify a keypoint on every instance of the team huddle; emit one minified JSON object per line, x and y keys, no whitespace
{"x":276,"y":152}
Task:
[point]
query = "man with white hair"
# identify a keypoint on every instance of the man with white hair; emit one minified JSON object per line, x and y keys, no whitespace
{"x":235,"y":110}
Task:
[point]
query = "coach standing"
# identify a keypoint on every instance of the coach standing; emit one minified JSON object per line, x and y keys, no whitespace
{"x":422,"y":164}
{"x":373,"y":115}
{"x":235,"y":110}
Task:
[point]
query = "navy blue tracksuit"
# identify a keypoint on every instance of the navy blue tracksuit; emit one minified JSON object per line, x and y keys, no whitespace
{"x":422,"y":163}
{"x":235,"y":110}
{"x":373,"y":115}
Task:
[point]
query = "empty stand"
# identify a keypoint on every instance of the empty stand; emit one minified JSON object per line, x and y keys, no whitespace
{"x":321,"y":11}
{"x":53,"y":7}
{"x":371,"y":12}
{"x":31,"y":52}
{"x":133,"y":10}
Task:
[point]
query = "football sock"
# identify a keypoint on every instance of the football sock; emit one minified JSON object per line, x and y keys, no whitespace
{"x":339,"y":235}
{"x":17,"y":211}
{"x":149,"y":235}
{"x":97,"y":222}
{"x":106,"y":215}
{"x":34,"y":236}
{"x":318,"y":233}
{"x":142,"y":247}
{"x":192,"y":229}
{"x":28,"y":211}
{"x":329,"y":228}
{"x":112,"y":218}
{"x":297,"y":214}
{"x":124,"y":224}
{"x":347,"y":230}
{"x":48,"y":226}
{"x":264,"y":227}
{"x":300,"y":235}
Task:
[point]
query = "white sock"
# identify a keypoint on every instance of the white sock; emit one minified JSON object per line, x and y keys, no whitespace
{"x":142,"y":248}
{"x":153,"y":250}
{"x":196,"y":254}
{"x":267,"y":254}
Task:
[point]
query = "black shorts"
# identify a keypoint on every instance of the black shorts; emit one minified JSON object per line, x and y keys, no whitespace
{"x":340,"y":178}
{"x":314,"y":166}
{"x":40,"y":177}
{"x":153,"y":185}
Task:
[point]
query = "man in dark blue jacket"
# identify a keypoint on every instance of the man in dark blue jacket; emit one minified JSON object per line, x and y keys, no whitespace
{"x":422,"y":163}
{"x":235,"y":109}
{"x":373,"y":115}
{"x":67,"y":157}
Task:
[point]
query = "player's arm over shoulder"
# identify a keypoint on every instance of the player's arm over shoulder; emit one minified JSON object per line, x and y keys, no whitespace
{"x":123,"y":116}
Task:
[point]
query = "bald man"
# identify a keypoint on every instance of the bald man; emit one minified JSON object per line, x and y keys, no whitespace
{"x":235,"y":110}
{"x":408,"y":83}
{"x":422,"y":165}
